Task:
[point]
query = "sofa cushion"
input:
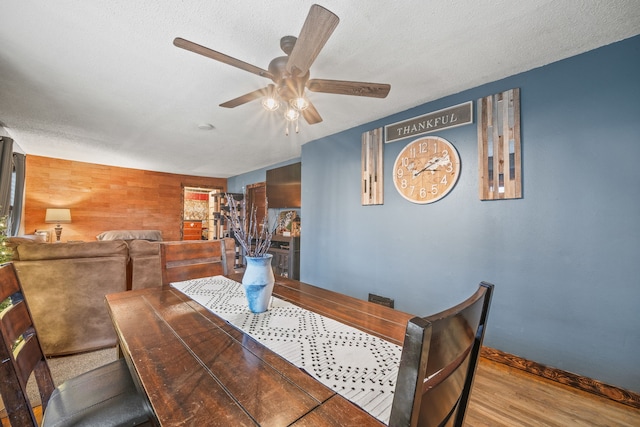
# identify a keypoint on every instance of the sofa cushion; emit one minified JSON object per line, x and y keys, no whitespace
{"x":65,"y":285}
{"x":14,"y":241}
{"x":49,"y":251}
{"x":26,"y":238}
{"x":143,"y":247}
{"x":144,"y":264}
{"x":151,"y":235}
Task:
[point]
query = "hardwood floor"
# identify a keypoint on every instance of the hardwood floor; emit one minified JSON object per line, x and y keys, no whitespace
{"x":37,"y":411}
{"x":505,"y":396}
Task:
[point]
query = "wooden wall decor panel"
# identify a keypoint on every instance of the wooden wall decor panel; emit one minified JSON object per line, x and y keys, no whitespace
{"x":499,"y":162}
{"x":372,"y":167}
{"x":103,"y":198}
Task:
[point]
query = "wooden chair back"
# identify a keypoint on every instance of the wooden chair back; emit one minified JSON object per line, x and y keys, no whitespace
{"x":438,"y":363}
{"x":20,"y":353}
{"x":186,"y":260}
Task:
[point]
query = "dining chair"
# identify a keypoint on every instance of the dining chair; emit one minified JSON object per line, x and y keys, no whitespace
{"x":188,"y":259}
{"x":105,"y":396}
{"x":438,"y":363}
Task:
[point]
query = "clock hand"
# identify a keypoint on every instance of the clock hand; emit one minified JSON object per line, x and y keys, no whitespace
{"x":435,"y":162}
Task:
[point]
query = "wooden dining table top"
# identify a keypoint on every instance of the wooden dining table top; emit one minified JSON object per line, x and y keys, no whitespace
{"x":198,"y":370}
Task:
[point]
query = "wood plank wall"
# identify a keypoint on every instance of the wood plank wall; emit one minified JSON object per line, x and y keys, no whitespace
{"x":103,"y":198}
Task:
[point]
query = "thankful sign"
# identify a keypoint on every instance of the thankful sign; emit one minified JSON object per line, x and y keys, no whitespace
{"x":458,"y":115}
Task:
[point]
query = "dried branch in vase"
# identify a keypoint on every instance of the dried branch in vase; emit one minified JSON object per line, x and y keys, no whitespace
{"x":255,"y":242}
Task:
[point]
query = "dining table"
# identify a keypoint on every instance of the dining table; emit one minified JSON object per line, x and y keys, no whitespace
{"x":203,"y":359}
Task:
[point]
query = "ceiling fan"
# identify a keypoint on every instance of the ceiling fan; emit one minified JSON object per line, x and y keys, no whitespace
{"x":290,"y":73}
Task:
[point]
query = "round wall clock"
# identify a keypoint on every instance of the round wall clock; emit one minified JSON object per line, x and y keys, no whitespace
{"x":426,"y":170}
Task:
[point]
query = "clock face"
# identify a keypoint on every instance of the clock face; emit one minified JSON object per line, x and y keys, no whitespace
{"x":426,"y":170}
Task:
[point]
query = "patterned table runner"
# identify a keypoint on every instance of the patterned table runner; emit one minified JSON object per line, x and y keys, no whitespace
{"x":361,"y":367}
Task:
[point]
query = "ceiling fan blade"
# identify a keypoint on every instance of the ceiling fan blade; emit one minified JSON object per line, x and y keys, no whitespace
{"x":248,"y":97}
{"x":315,"y":32}
{"x":311,"y":115}
{"x":209,"y":53}
{"x":341,"y":87}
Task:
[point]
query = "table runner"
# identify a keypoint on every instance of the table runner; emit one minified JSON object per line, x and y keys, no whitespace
{"x":361,"y":367}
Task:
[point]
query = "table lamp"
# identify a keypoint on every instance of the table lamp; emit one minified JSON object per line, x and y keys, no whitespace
{"x":58,"y":216}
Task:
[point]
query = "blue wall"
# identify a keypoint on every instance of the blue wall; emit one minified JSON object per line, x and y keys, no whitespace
{"x":565,"y":258}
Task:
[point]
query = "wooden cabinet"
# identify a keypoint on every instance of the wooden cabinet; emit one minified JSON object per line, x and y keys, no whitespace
{"x":257,"y":199}
{"x":191,"y":230}
{"x":286,"y":256}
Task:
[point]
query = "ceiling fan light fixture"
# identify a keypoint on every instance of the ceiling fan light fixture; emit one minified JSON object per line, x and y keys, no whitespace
{"x":290,"y":73}
{"x":291,"y":114}
{"x":300,"y":103}
{"x":270,"y":103}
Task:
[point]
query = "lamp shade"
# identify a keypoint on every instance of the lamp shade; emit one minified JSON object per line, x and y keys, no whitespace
{"x":58,"y":216}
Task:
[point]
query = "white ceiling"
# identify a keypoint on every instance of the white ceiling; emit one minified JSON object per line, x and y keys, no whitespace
{"x":102,"y":82}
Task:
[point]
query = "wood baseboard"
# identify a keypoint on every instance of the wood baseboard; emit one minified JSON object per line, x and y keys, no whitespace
{"x":614,"y":393}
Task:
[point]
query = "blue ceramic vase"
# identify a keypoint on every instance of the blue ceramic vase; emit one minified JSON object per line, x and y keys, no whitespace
{"x":258,"y":282}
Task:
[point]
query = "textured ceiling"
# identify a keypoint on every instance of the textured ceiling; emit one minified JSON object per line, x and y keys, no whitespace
{"x":101,"y":82}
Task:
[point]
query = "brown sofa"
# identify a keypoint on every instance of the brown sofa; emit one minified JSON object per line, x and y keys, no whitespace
{"x":65,"y":285}
{"x":143,"y":270}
